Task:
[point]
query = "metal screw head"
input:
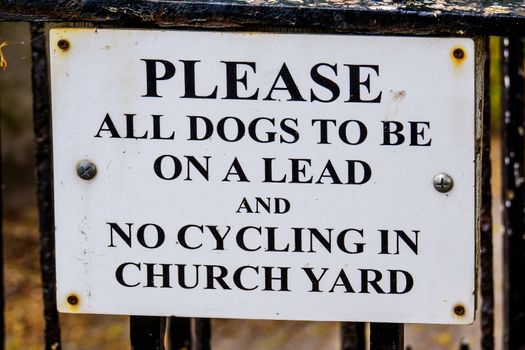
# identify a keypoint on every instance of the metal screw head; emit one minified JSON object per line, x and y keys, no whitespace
{"x":72,"y":300}
{"x":63,"y":44}
{"x":459,"y":310}
{"x":443,"y":183}
{"x":86,"y":170}
{"x":459,"y":53}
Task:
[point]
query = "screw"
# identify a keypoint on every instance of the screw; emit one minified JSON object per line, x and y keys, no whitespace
{"x":459,"y":53}
{"x":72,"y":300}
{"x":459,"y":310}
{"x":86,"y":170}
{"x":443,"y":183}
{"x":63,"y":44}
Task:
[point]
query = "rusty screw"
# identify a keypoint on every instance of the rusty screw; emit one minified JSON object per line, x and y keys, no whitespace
{"x":459,"y":310}
{"x":86,"y":170}
{"x":63,"y":44}
{"x":72,"y":300}
{"x":459,"y":53}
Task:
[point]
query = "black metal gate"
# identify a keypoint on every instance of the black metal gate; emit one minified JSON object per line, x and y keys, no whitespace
{"x":388,"y":17}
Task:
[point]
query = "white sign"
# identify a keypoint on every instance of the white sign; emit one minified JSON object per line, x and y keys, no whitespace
{"x":264,"y":176}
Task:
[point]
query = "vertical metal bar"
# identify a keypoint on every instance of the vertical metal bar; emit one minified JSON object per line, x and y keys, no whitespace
{"x":513,"y":146}
{"x":487,"y":281}
{"x":386,"y":336}
{"x":179,"y":333}
{"x":44,"y":183}
{"x":2,"y":302}
{"x":202,"y":339}
{"x":353,"y":336}
{"x":147,"y":333}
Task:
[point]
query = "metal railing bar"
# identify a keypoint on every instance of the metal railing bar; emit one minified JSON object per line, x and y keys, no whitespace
{"x":44,"y":179}
{"x":486,"y":259}
{"x":147,"y":332}
{"x":202,"y":340}
{"x":386,"y":336}
{"x":513,"y":146}
{"x":2,"y":289}
{"x":179,"y":333}
{"x":353,"y":336}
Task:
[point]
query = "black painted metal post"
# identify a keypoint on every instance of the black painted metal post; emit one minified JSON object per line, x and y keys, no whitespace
{"x":353,"y":336}
{"x":487,"y":281}
{"x":44,"y":176}
{"x":2,"y":301}
{"x":513,"y":146}
{"x":386,"y":336}
{"x":202,"y":334}
{"x":147,"y":333}
{"x":179,"y":333}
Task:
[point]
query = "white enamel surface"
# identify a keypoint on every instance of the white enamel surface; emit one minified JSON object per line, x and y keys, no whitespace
{"x":102,"y":73}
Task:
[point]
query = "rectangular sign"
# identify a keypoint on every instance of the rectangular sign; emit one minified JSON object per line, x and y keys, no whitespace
{"x":264,"y":176}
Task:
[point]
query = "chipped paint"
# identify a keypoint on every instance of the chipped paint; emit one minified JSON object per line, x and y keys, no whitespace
{"x":72,"y":302}
{"x":383,"y":16}
{"x":396,"y":99}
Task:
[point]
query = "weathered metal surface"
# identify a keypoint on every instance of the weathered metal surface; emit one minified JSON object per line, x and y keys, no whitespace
{"x":513,"y":141}
{"x":386,"y":336}
{"x":486,"y":260}
{"x":353,"y":336}
{"x":147,"y":333}
{"x":44,"y":175}
{"x":409,"y":17}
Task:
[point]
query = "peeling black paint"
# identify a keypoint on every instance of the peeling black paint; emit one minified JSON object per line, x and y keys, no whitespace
{"x":386,"y":17}
{"x":486,"y":253}
{"x":44,"y":183}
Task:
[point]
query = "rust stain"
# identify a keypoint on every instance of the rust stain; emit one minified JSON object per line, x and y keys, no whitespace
{"x":459,"y":310}
{"x":63,"y":44}
{"x":458,"y":55}
{"x":3,"y":61}
{"x":395,"y":104}
{"x":399,"y":95}
{"x":73,"y":302}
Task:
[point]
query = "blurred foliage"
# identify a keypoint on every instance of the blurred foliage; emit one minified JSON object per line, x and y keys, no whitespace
{"x":495,"y":84}
{"x":16,"y":113}
{"x":15,"y":80}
